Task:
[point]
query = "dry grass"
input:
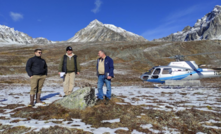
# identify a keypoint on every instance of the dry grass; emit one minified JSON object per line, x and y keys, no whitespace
{"x":127,"y":56}
{"x":11,"y":106}
{"x":187,"y":121}
{"x":13,"y":130}
{"x":60,"y":130}
{"x":52,"y":130}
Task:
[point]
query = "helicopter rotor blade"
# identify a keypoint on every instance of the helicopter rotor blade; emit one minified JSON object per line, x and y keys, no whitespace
{"x":168,"y":57}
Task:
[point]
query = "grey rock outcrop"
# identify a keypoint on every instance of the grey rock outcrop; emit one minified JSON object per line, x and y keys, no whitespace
{"x":206,"y":28}
{"x":97,"y":31}
{"x":187,"y":28}
{"x":79,"y":99}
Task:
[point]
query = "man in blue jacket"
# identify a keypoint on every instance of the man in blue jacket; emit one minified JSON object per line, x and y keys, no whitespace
{"x":105,"y":72}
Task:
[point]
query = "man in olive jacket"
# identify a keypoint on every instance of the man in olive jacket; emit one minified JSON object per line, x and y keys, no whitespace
{"x":70,"y":65}
{"x":37,"y":69}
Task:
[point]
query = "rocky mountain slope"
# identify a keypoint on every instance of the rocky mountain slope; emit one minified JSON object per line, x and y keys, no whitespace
{"x":206,"y":28}
{"x":97,"y":31}
{"x":41,"y":40}
{"x":10,"y":36}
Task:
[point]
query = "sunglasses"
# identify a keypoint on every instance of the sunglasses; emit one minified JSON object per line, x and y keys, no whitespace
{"x":40,"y":52}
{"x":69,"y":50}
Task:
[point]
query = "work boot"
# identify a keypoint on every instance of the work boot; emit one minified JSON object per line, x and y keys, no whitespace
{"x":106,"y":101}
{"x":98,"y":102}
{"x":31,"y":104}
{"x":38,"y":99}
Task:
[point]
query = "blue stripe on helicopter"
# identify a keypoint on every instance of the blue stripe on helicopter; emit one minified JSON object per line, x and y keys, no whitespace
{"x":178,"y":77}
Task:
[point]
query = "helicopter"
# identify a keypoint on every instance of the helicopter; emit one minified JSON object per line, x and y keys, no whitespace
{"x":180,"y":70}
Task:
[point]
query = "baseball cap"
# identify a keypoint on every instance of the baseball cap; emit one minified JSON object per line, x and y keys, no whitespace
{"x":69,"y":48}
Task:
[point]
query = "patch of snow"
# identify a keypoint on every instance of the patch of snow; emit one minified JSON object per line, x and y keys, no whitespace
{"x":121,"y":103}
{"x":147,"y":126}
{"x":165,"y":129}
{"x":111,"y":121}
{"x":136,"y":132}
{"x":138,"y":116}
{"x":200,"y":133}
{"x":123,"y":72}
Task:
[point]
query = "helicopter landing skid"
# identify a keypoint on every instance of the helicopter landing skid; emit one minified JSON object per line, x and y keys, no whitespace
{"x":179,"y":84}
{"x":161,"y":86}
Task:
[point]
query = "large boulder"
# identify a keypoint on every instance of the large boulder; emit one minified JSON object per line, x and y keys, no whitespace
{"x":79,"y":99}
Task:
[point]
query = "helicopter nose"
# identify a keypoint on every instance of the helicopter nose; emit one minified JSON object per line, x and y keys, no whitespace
{"x":144,"y":77}
{"x":141,"y":77}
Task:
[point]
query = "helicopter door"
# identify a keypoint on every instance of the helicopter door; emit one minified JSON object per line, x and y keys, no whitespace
{"x":156,"y":73}
{"x":167,"y":72}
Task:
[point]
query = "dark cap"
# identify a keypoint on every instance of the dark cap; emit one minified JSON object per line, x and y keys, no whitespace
{"x":69,"y":48}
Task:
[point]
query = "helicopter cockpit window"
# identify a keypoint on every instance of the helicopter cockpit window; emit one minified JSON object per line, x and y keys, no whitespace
{"x":167,"y":71}
{"x":157,"y":71}
{"x":150,"y":71}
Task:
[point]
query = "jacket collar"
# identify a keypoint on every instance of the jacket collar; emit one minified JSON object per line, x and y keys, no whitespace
{"x":71,"y":55}
{"x":37,"y":56}
{"x":104,"y":57}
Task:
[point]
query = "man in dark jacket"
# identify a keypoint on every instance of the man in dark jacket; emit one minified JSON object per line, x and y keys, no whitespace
{"x":69,"y":64}
{"x":105,"y":72}
{"x":36,"y":68}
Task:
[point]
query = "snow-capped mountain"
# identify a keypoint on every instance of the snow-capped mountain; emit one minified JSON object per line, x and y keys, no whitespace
{"x":10,"y":36}
{"x":206,"y":28}
{"x":41,"y":40}
{"x":97,"y":31}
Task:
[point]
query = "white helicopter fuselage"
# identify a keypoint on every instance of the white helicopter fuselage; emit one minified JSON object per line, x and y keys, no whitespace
{"x":182,"y":70}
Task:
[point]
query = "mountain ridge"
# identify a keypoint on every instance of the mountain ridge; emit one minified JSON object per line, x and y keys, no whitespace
{"x":10,"y":36}
{"x":206,"y":28}
{"x":97,"y":31}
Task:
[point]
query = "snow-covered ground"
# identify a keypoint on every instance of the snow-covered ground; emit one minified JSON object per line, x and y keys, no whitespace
{"x":205,"y":99}
{"x":149,"y":98}
{"x":20,"y":95}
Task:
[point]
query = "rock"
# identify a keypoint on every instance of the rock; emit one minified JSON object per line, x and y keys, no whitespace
{"x":187,"y":28}
{"x":80,"y":99}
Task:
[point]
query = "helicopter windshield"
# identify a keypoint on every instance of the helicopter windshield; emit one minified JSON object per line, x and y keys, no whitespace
{"x":150,"y":71}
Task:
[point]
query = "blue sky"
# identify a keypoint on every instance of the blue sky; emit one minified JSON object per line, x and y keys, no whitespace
{"x":59,"y":20}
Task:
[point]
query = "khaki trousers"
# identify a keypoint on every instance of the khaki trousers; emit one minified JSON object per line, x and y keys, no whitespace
{"x":37,"y":82}
{"x":68,"y":83}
